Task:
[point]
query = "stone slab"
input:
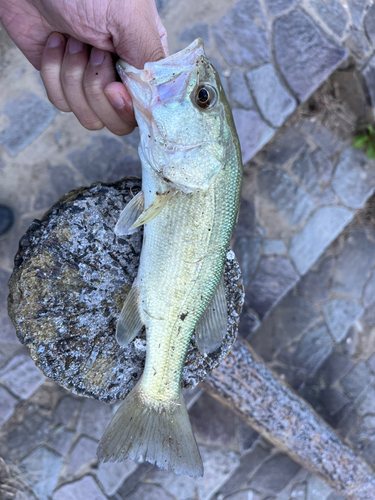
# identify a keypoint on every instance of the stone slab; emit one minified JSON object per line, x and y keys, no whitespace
{"x":333,"y":14}
{"x":111,"y":475}
{"x":84,"y":489}
{"x":340,"y":314}
{"x":22,"y":376}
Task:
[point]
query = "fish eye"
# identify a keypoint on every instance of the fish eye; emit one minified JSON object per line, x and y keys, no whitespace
{"x":205,"y":96}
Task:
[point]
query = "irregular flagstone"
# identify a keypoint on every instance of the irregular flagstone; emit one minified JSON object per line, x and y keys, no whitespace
{"x":22,"y":376}
{"x":365,"y":403}
{"x":340,"y":314}
{"x":354,"y":178}
{"x":322,"y":137}
{"x":304,"y":168}
{"x":111,"y":475}
{"x":356,"y":380}
{"x":277,"y":6}
{"x":197,"y":30}
{"x":286,"y":147}
{"x":320,"y":230}
{"x":28,"y":116}
{"x":356,"y":8}
{"x":313,"y":350}
{"x":369,"y":74}
{"x":253,"y":132}
{"x":83,"y":452}
{"x":323,"y":167}
{"x":41,"y":469}
{"x":305,"y":56}
{"x":368,"y":297}
{"x":8,"y":402}
{"x":314,"y":285}
{"x":274,"y":247}
{"x":94,"y":418}
{"x":333,"y":14}
{"x":274,"y":474}
{"x":274,"y":101}
{"x":358,"y":44}
{"x":242,"y":35}
{"x":238,"y":90}
{"x":248,"y":252}
{"x":84,"y":489}
{"x":369,"y":24}
{"x":317,"y":490}
{"x":354,"y":264}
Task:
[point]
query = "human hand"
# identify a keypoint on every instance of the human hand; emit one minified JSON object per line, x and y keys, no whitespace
{"x":56,"y":35}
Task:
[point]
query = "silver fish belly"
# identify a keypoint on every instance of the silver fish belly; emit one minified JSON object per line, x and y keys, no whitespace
{"x":191,"y":183}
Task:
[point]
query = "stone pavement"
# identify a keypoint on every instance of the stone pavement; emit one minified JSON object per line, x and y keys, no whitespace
{"x":305,"y":240}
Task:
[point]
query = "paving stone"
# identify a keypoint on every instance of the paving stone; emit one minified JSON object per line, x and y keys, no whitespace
{"x":335,"y":496}
{"x":274,"y":277}
{"x":94,"y":419}
{"x":365,"y":432}
{"x":213,"y":423}
{"x":328,"y":197}
{"x":371,"y":363}
{"x":274,"y":247}
{"x":369,"y":316}
{"x":133,"y":480}
{"x":277,"y":6}
{"x":160,"y":4}
{"x":66,"y":409}
{"x":356,"y":8}
{"x":244,"y":495}
{"x":98,"y":159}
{"x":320,"y":230}
{"x":218,"y":465}
{"x":290,"y":144}
{"x":335,"y":367}
{"x":289,"y":320}
{"x":358,"y":44}
{"x":356,"y":380}
{"x":274,"y":474}
{"x":253,"y":132}
{"x":42,"y":468}
{"x":22,"y":376}
{"x":323,"y":167}
{"x":353,"y":264}
{"x":239,"y":91}
{"x":274,"y":101}
{"x":317,"y":490}
{"x":8,"y":351}
{"x":28,"y":116}
{"x":368,"y":297}
{"x":340,"y":314}
{"x":347,"y":422}
{"x":305,"y":56}
{"x":304,"y":169}
{"x":127,"y":166}
{"x":298,"y":492}
{"x":313,"y":349}
{"x":332,"y":14}
{"x":369,"y":74}
{"x":84,"y":451}
{"x":247,"y":436}
{"x":241,"y":35}
{"x":61,"y":440}
{"x":282,"y":197}
{"x":315,"y":284}
{"x":369,"y":23}
{"x":365,"y":403}
{"x":111,"y":475}
{"x":150,"y":492}
{"x":354,"y":178}
{"x":333,"y":401}
{"x":247,"y":251}
{"x":193,"y":31}
{"x":84,"y":489}
{"x":322,"y":137}
{"x":8,"y":402}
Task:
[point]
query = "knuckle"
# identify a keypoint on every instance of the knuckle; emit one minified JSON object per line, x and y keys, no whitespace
{"x":92,"y":124}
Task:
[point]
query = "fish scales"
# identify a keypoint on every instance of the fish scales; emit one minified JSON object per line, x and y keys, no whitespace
{"x":191,"y":184}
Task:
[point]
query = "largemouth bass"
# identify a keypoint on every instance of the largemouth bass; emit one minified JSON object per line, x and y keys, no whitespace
{"x":191,"y":183}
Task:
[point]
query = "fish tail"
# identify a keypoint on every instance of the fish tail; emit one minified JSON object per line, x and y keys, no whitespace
{"x":160,"y":433}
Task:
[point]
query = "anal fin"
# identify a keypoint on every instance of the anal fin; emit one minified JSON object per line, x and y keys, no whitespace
{"x":129,"y":215}
{"x":212,"y":326}
{"x":154,"y":209}
{"x":129,"y":322}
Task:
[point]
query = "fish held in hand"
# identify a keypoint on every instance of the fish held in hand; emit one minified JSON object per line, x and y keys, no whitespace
{"x":191,"y":183}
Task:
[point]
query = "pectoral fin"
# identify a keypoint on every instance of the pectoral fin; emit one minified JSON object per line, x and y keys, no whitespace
{"x":129,"y":215}
{"x":154,"y":209}
{"x":212,"y":326}
{"x":129,"y":322}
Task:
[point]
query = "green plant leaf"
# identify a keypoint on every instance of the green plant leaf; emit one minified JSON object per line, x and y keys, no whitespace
{"x":371,"y":152}
{"x":371,"y":130}
{"x":361,"y":141}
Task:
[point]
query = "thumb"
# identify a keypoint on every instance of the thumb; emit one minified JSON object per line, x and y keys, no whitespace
{"x":137,"y":32}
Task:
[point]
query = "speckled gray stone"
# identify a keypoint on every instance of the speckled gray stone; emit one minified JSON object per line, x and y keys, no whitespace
{"x":370,"y":24}
{"x":239,"y":91}
{"x":368,"y":297}
{"x":253,"y":132}
{"x":356,"y":380}
{"x":277,"y":6}
{"x":332,"y":14}
{"x":304,"y":169}
{"x":285,"y":147}
{"x":340,"y":314}
{"x":70,"y":279}
{"x":356,"y":8}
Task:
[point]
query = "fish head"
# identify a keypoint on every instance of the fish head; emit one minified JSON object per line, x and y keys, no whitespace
{"x":183,"y":117}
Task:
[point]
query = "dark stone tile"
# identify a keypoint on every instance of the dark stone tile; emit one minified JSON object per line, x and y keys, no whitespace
{"x":277,"y":6}
{"x":246,"y":122}
{"x":365,"y":403}
{"x":369,"y":24}
{"x":133,"y":480}
{"x":365,"y":434}
{"x":274,"y":277}
{"x":369,"y":74}
{"x":282,"y":197}
{"x":335,"y":496}
{"x":21,"y":375}
{"x":249,"y":321}
{"x":127,"y":166}
{"x":333,"y":401}
{"x":94,"y":418}
{"x":340,"y":314}
{"x":29,"y":116}
{"x":84,"y":451}
{"x":323,"y":167}
{"x":220,"y":430}
{"x":66,"y":409}
{"x":336,"y":366}
{"x":371,"y":363}
{"x":369,"y":316}
{"x":314,"y":285}
{"x":61,"y":440}
{"x":246,"y":221}
{"x":368,"y":297}
{"x":354,"y":178}
{"x":358,"y":44}
{"x":238,"y":90}
{"x":356,"y":380}
{"x":248,"y":252}
{"x":313,"y":349}
{"x":304,"y":55}
{"x":274,"y":101}
{"x":274,"y":247}
{"x":347,"y":422}
{"x":274,"y":474}
{"x":320,"y":230}
{"x":160,"y":4}
{"x":291,"y":376}
{"x":333,"y":15}
{"x":304,"y":169}
{"x":356,"y":8}
{"x":8,"y":403}
{"x":286,"y":147}
{"x":242,"y":35}
{"x":368,"y":453}
{"x":83,"y":489}
{"x":247,"y":436}
{"x":322,"y":137}
{"x":193,"y":31}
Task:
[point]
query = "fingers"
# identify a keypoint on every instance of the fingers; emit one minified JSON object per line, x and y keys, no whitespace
{"x":84,"y":83}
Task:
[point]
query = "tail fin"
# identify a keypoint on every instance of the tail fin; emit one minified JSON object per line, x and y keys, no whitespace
{"x":161,"y":434}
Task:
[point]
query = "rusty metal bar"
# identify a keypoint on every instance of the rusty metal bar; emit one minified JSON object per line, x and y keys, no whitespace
{"x":256,"y":395}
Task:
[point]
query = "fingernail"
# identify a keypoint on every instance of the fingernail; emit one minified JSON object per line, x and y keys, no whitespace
{"x":96,"y":56}
{"x":75,"y":46}
{"x":116,"y":100}
{"x":54,"y":41}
